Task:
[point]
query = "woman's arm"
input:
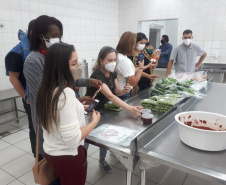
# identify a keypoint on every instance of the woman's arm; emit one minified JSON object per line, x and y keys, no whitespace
{"x":133,"y":80}
{"x":117,"y":101}
{"x":69,"y":124}
{"x":14,"y":79}
{"x":150,"y":76}
{"x":95,"y":118}
{"x":150,"y":65}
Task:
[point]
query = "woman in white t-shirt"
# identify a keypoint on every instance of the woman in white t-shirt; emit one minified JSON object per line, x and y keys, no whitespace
{"x":125,"y":69}
{"x":61,"y":116}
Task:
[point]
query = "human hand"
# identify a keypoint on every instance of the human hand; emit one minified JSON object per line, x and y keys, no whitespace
{"x":85,"y":106}
{"x":152,"y":64}
{"x":87,"y":99}
{"x":127,"y":88}
{"x":95,"y":83}
{"x":141,"y":64}
{"x":153,"y":76}
{"x":135,"y":110}
{"x":95,"y":117}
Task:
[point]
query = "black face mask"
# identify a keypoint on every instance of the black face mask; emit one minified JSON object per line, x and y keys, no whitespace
{"x":163,"y":42}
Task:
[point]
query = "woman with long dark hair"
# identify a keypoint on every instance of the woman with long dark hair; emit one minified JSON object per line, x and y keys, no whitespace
{"x":46,"y":31}
{"x":147,"y":76}
{"x":61,"y":116}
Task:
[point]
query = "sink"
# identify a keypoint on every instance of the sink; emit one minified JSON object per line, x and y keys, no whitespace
{"x":215,"y":71}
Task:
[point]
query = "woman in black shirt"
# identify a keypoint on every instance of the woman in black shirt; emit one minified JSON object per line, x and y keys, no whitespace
{"x":104,"y":71}
{"x":147,"y":75}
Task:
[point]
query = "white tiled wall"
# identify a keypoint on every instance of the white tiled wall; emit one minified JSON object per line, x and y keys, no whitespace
{"x":206,"y":18}
{"x":88,"y":25}
{"x":91,"y":24}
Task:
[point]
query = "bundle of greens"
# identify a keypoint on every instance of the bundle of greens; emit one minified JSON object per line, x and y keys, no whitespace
{"x":111,"y":106}
{"x":161,"y":103}
{"x":149,"y":104}
{"x":171,"y":86}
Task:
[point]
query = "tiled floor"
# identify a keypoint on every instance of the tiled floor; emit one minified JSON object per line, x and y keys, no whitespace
{"x":16,"y":162}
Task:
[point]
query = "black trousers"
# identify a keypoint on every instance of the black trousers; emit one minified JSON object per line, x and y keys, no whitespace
{"x":30,"y":125}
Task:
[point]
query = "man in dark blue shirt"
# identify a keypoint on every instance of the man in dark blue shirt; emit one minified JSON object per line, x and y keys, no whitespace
{"x":166,"y":49}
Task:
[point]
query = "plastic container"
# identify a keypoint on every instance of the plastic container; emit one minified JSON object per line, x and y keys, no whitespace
{"x":147,"y":118}
{"x":146,"y":111}
{"x":200,"y":138}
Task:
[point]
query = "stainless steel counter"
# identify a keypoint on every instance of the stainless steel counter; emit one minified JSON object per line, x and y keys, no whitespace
{"x":126,"y":155}
{"x":165,"y":147}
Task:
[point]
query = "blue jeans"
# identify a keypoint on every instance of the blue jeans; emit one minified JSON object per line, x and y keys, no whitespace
{"x":125,"y":96}
{"x":103,"y":151}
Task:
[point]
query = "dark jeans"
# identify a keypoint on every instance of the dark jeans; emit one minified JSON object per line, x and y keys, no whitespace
{"x":31,"y":128}
{"x":144,"y":87}
{"x":125,"y":96}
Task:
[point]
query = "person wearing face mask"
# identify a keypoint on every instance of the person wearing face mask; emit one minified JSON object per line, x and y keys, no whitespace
{"x":104,"y":70}
{"x":126,"y":72}
{"x":166,"y":49}
{"x":61,"y":116}
{"x":46,"y":32}
{"x":184,"y":55}
{"x":147,"y":74}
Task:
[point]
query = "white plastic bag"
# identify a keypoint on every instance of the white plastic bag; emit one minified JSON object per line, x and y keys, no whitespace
{"x":114,"y":134}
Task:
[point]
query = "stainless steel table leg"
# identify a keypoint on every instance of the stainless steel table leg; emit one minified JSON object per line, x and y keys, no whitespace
{"x":129,"y":177}
{"x":142,"y":177}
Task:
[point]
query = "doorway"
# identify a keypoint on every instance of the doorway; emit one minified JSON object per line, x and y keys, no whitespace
{"x":154,"y":29}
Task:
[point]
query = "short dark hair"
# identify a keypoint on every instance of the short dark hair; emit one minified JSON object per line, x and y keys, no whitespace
{"x":166,"y":38}
{"x":187,"y":32}
{"x":41,"y":26}
{"x":30,"y":27}
{"x":141,"y":36}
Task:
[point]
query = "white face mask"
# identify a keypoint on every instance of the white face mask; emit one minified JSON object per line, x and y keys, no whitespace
{"x":51,"y":41}
{"x":140,"y":47}
{"x":187,"y":41}
{"x":110,"y":66}
{"x":76,"y":73}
